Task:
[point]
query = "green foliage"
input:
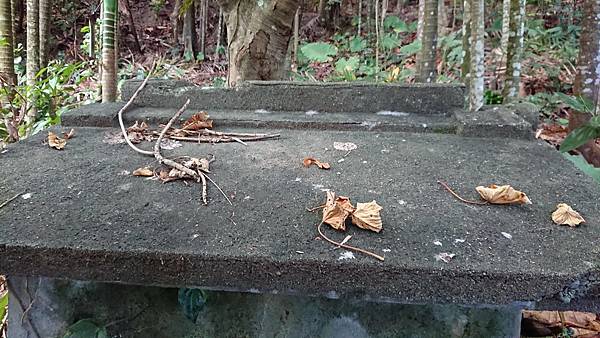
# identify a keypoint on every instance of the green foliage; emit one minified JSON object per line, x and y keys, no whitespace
{"x":584,"y":166}
{"x":411,"y":49}
{"x":157,"y":5}
{"x":357,"y":44}
{"x":581,"y":135}
{"x":3,"y":308}
{"x":577,"y":103}
{"x":192,"y":301}
{"x":58,"y":88}
{"x":394,"y":23}
{"x":492,"y":97}
{"x":86,"y":328}
{"x":319,"y":51}
{"x":347,"y":67}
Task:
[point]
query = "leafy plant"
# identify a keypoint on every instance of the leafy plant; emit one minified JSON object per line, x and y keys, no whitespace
{"x":589,"y":131}
{"x":492,"y":97}
{"x":192,"y":301}
{"x":347,"y":67}
{"x":86,"y":328}
{"x":3,"y":312}
{"x":319,"y":51}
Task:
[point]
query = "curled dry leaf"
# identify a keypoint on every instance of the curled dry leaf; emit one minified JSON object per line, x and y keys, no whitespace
{"x":366,"y":216}
{"x":504,"y":194}
{"x":143,"y":172}
{"x":201,"y":164}
{"x":344,"y":146}
{"x":138,"y":132}
{"x":307,"y":162}
{"x":565,"y":215}
{"x":444,"y":257}
{"x":55,"y":141}
{"x":198,"y":121}
{"x":336,"y":211}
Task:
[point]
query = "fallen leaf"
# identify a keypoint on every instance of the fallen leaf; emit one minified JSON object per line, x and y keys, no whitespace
{"x":311,"y":160}
{"x":143,"y":172}
{"x":55,"y":141}
{"x":565,"y":215}
{"x":69,"y":135}
{"x":504,"y":194}
{"x":197,"y":164}
{"x":344,"y":146}
{"x":336,"y":211}
{"x":138,"y":132}
{"x":586,"y":324}
{"x":444,"y":257}
{"x":198,"y":121}
{"x":164,"y":175}
{"x":366,"y":216}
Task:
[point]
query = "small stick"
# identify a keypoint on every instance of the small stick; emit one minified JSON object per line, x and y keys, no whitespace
{"x":460,"y":198}
{"x":218,"y":133}
{"x":11,"y":199}
{"x":219,"y":188}
{"x":316,"y":208}
{"x":202,"y":177}
{"x":122,"y":110}
{"x":347,"y":246}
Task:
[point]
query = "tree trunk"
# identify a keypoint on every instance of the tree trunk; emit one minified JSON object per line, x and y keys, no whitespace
{"x":190,"y":45}
{"x":426,"y":70}
{"x":219,"y":34}
{"x":44,"y":33}
{"x":421,"y":19}
{"x":7,"y":68}
{"x":514,"y":50}
{"x":465,"y":69}
{"x":442,"y":26}
{"x":176,"y":22}
{"x":109,"y":52}
{"x":587,"y":80}
{"x":258,"y":35}
{"x":477,"y":69}
{"x":203,"y":25}
{"x":15,"y":5}
{"x":33,"y":57}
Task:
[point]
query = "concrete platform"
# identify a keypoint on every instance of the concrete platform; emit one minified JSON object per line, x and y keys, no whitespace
{"x":86,"y":220}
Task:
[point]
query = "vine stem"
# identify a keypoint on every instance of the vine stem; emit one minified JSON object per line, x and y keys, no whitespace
{"x":443,"y":184}
{"x":349,"y":247}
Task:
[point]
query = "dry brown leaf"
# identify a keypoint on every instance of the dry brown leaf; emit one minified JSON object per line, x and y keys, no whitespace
{"x":311,"y":160}
{"x":143,"y":172}
{"x":138,"y":132}
{"x":583,"y":322}
{"x":69,"y":135}
{"x":366,"y":216}
{"x":198,"y":164}
{"x":565,"y":215}
{"x":504,"y":194}
{"x":198,"y":121}
{"x":55,"y":141}
{"x":336,"y":211}
{"x":164,"y":177}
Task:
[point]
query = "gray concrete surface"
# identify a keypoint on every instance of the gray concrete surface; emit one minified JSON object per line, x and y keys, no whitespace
{"x":87,"y":221}
{"x":140,"y":311}
{"x":295,"y":96}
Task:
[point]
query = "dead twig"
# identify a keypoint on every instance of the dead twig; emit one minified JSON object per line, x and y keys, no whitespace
{"x":443,"y":184}
{"x":316,"y":208}
{"x":198,"y":175}
{"x":124,"y":108}
{"x":5,"y":203}
{"x":347,"y":246}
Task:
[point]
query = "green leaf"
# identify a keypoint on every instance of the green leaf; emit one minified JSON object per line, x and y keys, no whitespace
{"x":579,"y":137}
{"x":357,"y":44}
{"x":86,"y":328}
{"x":390,"y":41}
{"x":3,"y":308}
{"x":3,"y":42}
{"x":584,"y":166}
{"x":411,"y":49}
{"x":192,"y":301}
{"x":595,"y":122}
{"x":578,"y":103}
{"x":393,"y":22}
{"x":319,"y":51}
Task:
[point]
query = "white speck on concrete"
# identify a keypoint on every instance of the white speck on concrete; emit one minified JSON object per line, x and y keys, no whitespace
{"x":392,"y":113}
{"x":506,"y":234}
{"x":346,"y":255}
{"x":312,"y":112}
{"x":438,"y":243}
{"x":26,"y":196}
{"x":262,"y":111}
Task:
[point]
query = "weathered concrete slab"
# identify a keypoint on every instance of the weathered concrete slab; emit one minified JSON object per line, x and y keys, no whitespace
{"x":297,"y":96}
{"x":86,"y":221}
{"x":154,"y":312}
